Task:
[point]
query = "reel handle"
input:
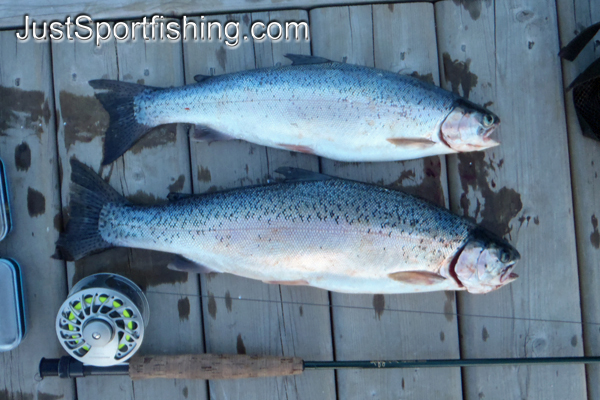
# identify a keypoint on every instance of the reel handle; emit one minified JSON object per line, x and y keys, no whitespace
{"x":212,"y":366}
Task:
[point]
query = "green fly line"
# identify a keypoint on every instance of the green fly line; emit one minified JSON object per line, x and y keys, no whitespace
{"x":399,"y":310}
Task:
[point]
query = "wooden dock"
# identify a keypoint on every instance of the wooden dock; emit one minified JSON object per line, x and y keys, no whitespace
{"x":539,"y":189}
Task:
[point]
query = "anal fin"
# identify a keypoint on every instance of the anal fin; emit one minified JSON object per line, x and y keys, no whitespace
{"x":182,"y":264}
{"x":206,"y":133}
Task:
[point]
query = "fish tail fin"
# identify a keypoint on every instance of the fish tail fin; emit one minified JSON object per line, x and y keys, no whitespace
{"x":124,"y":128}
{"x":89,"y":193}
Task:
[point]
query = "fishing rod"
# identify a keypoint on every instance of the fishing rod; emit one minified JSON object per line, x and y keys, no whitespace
{"x":102,"y":322}
{"x":240,"y":366}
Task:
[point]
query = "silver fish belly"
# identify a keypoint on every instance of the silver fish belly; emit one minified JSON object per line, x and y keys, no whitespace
{"x":333,"y":234}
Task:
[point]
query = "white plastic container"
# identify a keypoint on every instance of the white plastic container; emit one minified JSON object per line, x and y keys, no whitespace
{"x":12,"y":313}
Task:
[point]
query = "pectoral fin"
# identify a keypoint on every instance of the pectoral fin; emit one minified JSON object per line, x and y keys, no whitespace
{"x":417,"y":277}
{"x":182,"y":264}
{"x":418,"y":143}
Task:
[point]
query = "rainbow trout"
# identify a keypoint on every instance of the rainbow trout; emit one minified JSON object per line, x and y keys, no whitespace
{"x":340,"y":111}
{"x":312,"y":229}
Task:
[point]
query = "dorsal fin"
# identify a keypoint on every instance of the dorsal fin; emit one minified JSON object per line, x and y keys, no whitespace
{"x":298,"y":174}
{"x":200,"y":78}
{"x":301,"y":59}
{"x":173,"y":196}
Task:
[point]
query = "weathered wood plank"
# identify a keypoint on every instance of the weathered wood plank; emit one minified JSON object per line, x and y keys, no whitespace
{"x":156,"y":165}
{"x":28,"y":149}
{"x":269,"y":325}
{"x":503,"y":54}
{"x":39,"y":10}
{"x":307,"y":329}
{"x":398,"y":38}
{"x":573,"y":17}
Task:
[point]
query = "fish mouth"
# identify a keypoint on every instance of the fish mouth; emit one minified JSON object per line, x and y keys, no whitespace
{"x":486,"y":139}
{"x":482,"y":141}
{"x":508,"y":275}
{"x":488,"y":132}
{"x":487,"y":143}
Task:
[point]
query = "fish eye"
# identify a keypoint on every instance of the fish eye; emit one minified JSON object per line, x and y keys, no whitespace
{"x":488,"y":120}
{"x":504,"y":256}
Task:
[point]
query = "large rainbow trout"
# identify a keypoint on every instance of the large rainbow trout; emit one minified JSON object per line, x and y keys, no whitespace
{"x":340,"y":111}
{"x":312,"y":229}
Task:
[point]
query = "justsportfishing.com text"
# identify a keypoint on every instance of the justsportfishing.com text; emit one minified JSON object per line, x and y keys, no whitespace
{"x":159,"y":27}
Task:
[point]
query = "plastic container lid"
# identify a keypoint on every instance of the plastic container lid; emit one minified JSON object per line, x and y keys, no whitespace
{"x":5,"y":220}
{"x":12,"y":311}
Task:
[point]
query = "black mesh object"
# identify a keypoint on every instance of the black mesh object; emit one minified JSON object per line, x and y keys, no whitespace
{"x":586,"y":87}
{"x":586,"y":97}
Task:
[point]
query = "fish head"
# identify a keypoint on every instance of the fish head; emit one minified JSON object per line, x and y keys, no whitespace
{"x":486,"y":263}
{"x":468,"y":127}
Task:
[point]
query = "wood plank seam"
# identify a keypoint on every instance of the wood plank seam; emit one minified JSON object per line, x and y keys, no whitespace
{"x":27,"y":88}
{"x":192,"y":183}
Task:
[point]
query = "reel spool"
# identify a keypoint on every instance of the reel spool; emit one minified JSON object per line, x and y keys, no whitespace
{"x":102,"y":321}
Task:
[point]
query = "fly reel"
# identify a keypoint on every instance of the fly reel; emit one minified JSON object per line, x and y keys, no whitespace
{"x":102,"y":321}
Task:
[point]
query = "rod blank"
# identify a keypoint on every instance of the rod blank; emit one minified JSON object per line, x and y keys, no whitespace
{"x":481,"y":362}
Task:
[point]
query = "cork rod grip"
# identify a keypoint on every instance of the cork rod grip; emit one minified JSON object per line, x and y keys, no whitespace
{"x":212,"y":366}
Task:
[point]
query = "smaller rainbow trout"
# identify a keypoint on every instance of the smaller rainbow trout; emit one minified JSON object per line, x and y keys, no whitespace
{"x":340,"y":111}
{"x":312,"y":229}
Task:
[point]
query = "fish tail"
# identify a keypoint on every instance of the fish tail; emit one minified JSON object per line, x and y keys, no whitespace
{"x":124,"y":128}
{"x":89,"y":193}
